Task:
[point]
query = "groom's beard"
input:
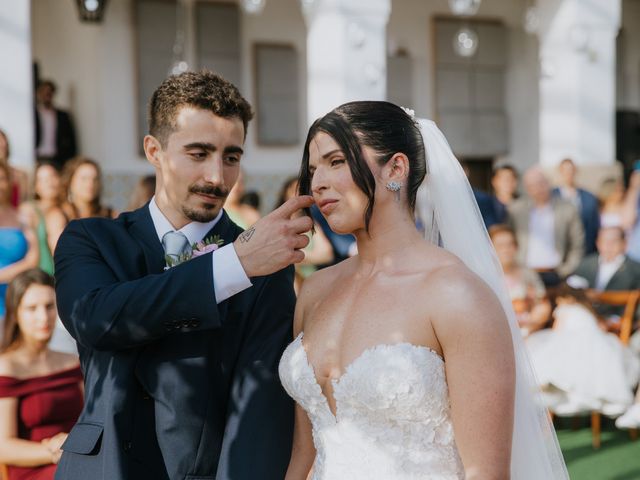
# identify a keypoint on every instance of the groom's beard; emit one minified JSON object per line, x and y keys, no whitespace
{"x":208,"y":211}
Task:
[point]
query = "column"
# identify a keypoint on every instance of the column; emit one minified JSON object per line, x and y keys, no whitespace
{"x":577,"y":80}
{"x":16,"y":81}
{"x":346,"y":52}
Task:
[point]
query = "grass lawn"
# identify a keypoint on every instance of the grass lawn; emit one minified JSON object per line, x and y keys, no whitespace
{"x":617,"y":459}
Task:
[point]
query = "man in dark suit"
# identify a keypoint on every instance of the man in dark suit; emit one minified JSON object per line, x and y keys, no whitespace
{"x":55,"y":134}
{"x":180,"y":362}
{"x":585,"y":202}
{"x":610,"y":268}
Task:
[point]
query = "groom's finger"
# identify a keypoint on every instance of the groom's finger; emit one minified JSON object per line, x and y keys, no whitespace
{"x":301,"y":224}
{"x":301,"y":242}
{"x":291,"y":206}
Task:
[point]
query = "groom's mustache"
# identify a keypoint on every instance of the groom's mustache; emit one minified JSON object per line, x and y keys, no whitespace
{"x":210,"y":190}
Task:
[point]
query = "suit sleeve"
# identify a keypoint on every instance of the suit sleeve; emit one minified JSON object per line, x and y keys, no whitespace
{"x":257,"y":396}
{"x":575,"y":244}
{"x":105,"y":313}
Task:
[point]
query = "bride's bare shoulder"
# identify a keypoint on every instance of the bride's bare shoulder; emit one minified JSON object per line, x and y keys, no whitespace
{"x":465,"y":303}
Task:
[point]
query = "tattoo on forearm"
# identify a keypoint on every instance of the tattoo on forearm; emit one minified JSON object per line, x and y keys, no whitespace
{"x":247,"y":234}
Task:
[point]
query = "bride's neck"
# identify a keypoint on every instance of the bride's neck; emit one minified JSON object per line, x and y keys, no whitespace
{"x":389,"y":232}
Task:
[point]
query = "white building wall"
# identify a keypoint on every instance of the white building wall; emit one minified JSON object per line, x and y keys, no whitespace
{"x":410,"y":27}
{"x":94,"y":67}
{"x":16,"y":92}
{"x":629,"y":97}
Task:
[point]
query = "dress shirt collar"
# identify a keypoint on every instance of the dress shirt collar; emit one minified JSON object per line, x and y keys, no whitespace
{"x":194,"y":231}
{"x":618,"y":261}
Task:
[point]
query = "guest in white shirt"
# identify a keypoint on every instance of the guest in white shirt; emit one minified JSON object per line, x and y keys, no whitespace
{"x":549,"y":231}
{"x":55,"y":134}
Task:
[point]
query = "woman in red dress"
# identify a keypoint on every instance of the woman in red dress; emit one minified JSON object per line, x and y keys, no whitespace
{"x":40,"y":390}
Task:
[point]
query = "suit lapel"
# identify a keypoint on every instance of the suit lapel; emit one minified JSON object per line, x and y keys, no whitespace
{"x":617,"y":277}
{"x":144,"y":232}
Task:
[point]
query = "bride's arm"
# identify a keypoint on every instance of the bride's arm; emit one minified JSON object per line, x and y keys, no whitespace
{"x":472,"y":329}
{"x":303,"y":452}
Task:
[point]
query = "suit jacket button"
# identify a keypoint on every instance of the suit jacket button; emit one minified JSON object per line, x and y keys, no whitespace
{"x":126,"y":446}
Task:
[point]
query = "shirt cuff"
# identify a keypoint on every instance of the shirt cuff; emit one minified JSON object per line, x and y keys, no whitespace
{"x":229,"y":278}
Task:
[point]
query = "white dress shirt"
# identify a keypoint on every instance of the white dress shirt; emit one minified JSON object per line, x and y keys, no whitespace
{"x":606,"y":271}
{"x":228,"y":274}
{"x":541,"y":247}
{"x":48,"y":127}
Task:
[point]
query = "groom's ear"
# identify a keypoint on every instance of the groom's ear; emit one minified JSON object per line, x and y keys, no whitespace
{"x":152,"y":150}
{"x":397,"y":168}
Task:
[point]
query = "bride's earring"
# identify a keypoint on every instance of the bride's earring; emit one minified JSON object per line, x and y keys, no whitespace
{"x":395,"y":187}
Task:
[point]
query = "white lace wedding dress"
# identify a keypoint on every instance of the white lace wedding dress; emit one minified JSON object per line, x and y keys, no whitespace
{"x":392,"y":418}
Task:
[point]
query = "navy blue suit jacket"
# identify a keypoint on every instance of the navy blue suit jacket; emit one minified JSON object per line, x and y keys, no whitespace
{"x":176,"y":385}
{"x":590,"y":216}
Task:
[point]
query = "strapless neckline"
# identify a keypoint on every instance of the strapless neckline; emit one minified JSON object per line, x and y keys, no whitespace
{"x":298,"y":342}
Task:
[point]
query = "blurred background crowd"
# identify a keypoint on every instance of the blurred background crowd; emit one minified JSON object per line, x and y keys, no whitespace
{"x":539,"y":99}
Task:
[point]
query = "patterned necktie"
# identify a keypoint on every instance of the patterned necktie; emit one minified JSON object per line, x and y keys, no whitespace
{"x":175,"y":244}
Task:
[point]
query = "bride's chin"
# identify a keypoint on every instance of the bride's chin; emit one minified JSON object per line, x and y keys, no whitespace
{"x":340,"y":229}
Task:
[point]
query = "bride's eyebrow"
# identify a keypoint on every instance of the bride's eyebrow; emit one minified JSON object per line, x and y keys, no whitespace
{"x":328,"y":154}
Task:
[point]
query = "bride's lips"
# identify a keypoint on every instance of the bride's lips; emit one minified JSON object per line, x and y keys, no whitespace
{"x":327,"y":206}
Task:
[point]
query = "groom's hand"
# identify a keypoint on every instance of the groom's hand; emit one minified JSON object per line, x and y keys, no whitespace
{"x":275,"y":241}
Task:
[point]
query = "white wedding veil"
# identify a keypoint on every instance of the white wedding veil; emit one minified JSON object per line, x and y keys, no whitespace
{"x":447,"y":208}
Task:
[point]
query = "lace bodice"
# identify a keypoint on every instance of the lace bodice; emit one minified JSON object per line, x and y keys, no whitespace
{"x":392,"y":415}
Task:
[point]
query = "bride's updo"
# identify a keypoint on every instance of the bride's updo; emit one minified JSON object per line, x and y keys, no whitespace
{"x":382,"y":126}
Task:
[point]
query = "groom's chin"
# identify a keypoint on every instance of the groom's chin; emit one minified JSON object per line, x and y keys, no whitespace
{"x":202,"y":214}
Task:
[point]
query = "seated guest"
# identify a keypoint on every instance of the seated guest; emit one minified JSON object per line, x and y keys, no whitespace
{"x":19,"y":246}
{"x":504,"y":181}
{"x":44,"y":213}
{"x":549,"y":231}
{"x":82,"y":190}
{"x":610,"y":268}
{"x":585,"y":202}
{"x":611,"y":198}
{"x":20,"y":182}
{"x":143,"y":192}
{"x":527,"y":292}
{"x":579,"y":366}
{"x":40,"y":390}
{"x":630,"y":217}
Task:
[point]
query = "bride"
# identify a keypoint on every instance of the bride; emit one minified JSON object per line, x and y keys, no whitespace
{"x":404,"y":364}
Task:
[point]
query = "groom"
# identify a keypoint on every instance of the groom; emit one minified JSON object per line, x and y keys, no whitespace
{"x":180,"y":362}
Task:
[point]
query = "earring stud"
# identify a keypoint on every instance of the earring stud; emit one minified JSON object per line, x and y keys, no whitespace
{"x":394,"y":186}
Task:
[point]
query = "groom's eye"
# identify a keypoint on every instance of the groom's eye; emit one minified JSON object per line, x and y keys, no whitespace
{"x":199,"y":155}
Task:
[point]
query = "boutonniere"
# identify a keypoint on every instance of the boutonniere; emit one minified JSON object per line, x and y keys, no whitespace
{"x":203,"y":247}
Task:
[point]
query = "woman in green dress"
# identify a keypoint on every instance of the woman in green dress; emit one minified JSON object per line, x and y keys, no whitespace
{"x":44,"y":214}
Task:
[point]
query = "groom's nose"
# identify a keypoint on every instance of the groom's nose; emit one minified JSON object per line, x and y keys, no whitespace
{"x":213,"y":171}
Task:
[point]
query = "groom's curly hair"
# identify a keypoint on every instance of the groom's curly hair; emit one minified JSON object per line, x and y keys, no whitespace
{"x":205,"y":90}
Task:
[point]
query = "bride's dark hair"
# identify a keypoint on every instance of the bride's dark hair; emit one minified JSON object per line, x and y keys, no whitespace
{"x":382,"y":126}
